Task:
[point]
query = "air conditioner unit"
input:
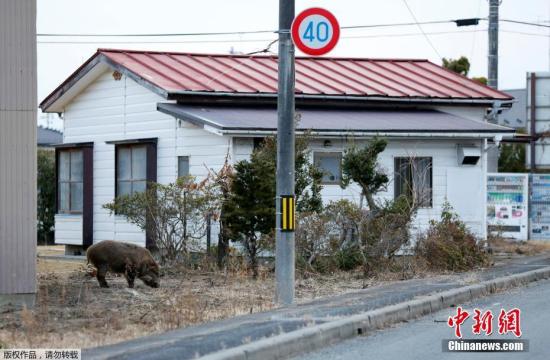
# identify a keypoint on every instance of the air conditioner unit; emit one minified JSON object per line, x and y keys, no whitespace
{"x":468,"y":155}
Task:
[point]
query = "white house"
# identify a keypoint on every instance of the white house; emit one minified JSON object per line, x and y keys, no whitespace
{"x":137,"y":116}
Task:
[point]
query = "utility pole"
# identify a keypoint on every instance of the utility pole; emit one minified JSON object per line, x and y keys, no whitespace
{"x":493,"y":44}
{"x":284,"y":240}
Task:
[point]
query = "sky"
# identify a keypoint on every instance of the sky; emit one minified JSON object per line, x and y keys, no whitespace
{"x":521,"y":48}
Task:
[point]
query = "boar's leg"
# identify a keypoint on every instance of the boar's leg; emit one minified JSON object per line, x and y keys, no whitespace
{"x":130,"y":275}
{"x":101,"y":272}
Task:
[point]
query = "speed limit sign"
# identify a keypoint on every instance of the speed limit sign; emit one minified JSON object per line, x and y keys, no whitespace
{"x":315,"y":31}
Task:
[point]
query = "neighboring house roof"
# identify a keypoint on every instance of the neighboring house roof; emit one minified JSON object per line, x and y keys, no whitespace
{"x":516,"y":116}
{"x":330,"y":121}
{"x":48,"y":137}
{"x":172,"y":74}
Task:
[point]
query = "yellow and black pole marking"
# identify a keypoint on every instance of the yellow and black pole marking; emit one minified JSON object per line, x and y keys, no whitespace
{"x":288,"y":221}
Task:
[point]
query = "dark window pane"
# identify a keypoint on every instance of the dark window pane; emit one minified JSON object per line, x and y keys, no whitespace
{"x":413,"y":179}
{"x":64,"y":165}
{"x":76,"y":196}
{"x":423,"y":181}
{"x":183,"y":165}
{"x":76,"y":165}
{"x":124,"y":188}
{"x":138,"y":186}
{"x":64,"y":197}
{"x":124,"y":163}
{"x":139,"y":162}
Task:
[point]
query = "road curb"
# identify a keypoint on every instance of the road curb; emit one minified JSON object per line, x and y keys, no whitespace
{"x":316,"y":336}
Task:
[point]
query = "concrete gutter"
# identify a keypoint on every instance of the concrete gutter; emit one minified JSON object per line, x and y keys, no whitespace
{"x":318,"y":336}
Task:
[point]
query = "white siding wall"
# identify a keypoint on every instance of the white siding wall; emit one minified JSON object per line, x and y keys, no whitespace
{"x":110,"y":110}
{"x":444,"y":161}
{"x":68,"y":229}
{"x":205,"y":149}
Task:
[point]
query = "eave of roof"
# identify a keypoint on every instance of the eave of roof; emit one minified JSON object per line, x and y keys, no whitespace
{"x":261,"y":120}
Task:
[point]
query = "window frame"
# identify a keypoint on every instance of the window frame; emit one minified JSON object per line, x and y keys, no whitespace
{"x":397,"y":176}
{"x":132,"y":180}
{"x":70,"y":211}
{"x":333,"y":154}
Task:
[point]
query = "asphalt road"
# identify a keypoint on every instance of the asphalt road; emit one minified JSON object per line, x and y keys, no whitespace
{"x":421,"y":339}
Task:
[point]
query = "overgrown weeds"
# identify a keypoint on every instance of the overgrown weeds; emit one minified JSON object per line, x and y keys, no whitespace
{"x":449,"y":245}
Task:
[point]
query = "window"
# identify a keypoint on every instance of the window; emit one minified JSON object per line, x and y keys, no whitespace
{"x":258,"y":142}
{"x":70,"y":181}
{"x":331,"y":166}
{"x":183,"y":166}
{"x":413,"y":178}
{"x":131,"y":169}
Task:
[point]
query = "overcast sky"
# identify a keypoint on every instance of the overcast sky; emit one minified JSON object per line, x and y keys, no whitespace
{"x":522,"y":48}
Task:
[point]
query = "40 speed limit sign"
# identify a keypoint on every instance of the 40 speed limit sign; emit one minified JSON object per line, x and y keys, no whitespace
{"x":315,"y":31}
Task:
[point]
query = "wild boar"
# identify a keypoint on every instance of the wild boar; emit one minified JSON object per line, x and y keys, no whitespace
{"x":123,"y":258}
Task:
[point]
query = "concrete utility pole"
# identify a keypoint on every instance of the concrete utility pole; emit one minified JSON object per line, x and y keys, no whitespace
{"x":493,"y":44}
{"x":284,"y":242}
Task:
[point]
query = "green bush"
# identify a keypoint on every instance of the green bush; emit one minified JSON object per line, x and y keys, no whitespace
{"x":45,"y":195}
{"x":450,"y":245}
{"x":348,"y":258}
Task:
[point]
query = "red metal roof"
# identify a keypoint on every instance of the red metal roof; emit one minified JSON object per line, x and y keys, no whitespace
{"x":174,"y":72}
{"x":316,"y":76}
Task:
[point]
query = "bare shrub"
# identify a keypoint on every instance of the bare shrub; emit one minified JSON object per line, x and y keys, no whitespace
{"x":343,"y":236}
{"x":174,"y":213}
{"x":326,"y":240}
{"x":448,"y":244}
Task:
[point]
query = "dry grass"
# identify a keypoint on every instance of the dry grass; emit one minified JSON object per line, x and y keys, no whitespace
{"x":49,"y":250}
{"x":72,"y":311}
{"x":530,"y":247}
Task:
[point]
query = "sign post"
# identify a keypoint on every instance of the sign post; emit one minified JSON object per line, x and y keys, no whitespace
{"x":315,"y":31}
{"x":284,"y":239}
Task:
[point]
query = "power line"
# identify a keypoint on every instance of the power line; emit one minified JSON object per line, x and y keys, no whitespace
{"x":434,"y":22}
{"x":387,"y":35}
{"x":422,"y":30}
{"x":525,"y":23}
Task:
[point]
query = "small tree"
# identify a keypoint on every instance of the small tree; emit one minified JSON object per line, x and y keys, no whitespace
{"x":384,"y":228}
{"x":175,"y":214}
{"x":45,"y":194}
{"x":361,"y":166}
{"x":250,"y":210}
{"x":512,"y":158}
{"x":459,"y":66}
{"x":307,"y":175}
{"x":219,"y":190}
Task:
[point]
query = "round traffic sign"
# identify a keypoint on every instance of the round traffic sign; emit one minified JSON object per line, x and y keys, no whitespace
{"x":315,"y":31}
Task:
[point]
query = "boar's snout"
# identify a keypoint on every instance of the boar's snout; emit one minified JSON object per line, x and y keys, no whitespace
{"x":150,"y":275}
{"x":151,"y":280}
